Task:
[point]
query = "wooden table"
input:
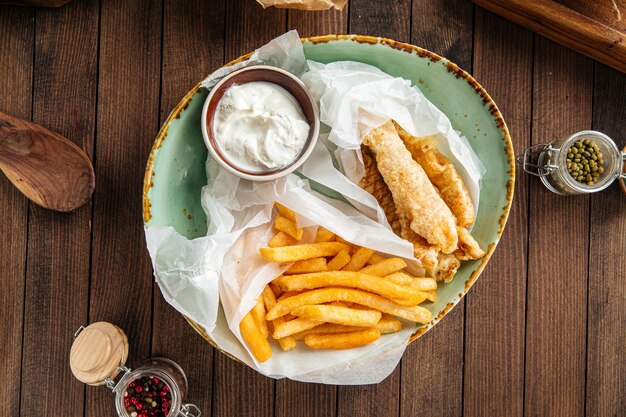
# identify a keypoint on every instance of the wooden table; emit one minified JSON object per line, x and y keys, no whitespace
{"x":542,"y":333}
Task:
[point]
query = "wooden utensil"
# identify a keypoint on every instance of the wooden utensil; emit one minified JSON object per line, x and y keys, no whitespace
{"x":46,"y":167}
{"x":596,"y":28}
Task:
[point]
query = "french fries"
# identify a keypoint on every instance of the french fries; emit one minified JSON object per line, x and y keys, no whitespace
{"x":258,"y":343}
{"x":377,"y":285}
{"x":335,"y":295}
{"x":281,"y":239}
{"x":342,"y":340}
{"x":285,"y":225}
{"x":338,"y":315}
{"x":308,"y":265}
{"x":323,"y":235}
{"x":339,"y":261}
{"x":301,"y":252}
{"x":386,"y":267}
{"x":325,"y":295}
{"x":359,"y":259}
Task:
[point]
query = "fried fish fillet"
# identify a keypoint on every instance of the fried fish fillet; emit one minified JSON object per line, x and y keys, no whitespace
{"x":468,"y":248}
{"x":442,"y":174}
{"x":413,"y":193}
{"x":373,"y":183}
{"x":447,"y":267}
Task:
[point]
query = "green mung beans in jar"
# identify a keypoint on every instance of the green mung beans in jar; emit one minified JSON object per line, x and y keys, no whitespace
{"x":585,"y":161}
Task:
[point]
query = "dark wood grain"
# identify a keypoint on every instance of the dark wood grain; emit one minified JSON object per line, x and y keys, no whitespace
{"x":606,"y":320}
{"x":381,"y":18}
{"x":558,"y":245}
{"x":435,"y":361}
{"x":16,"y":67}
{"x":193,"y":45}
{"x":57,"y":274}
{"x":248,"y":27}
{"x":310,"y":400}
{"x":494,"y":348}
{"x":318,"y":23}
{"x":128,"y":117}
{"x":373,"y":18}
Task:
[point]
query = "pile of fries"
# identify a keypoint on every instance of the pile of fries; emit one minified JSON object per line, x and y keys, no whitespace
{"x":335,"y":295}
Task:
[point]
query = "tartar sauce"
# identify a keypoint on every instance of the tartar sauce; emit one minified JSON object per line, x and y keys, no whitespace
{"x":259,"y":126}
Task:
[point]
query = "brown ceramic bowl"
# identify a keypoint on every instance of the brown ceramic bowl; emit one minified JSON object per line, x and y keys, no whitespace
{"x":273,"y":75}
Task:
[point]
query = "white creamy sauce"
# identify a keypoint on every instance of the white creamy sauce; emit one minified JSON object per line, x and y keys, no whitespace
{"x":259,"y":126}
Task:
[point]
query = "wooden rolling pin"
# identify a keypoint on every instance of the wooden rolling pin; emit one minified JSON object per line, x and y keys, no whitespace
{"x":46,"y":167}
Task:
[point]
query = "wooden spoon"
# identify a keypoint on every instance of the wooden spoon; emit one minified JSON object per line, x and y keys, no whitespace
{"x":46,"y":167}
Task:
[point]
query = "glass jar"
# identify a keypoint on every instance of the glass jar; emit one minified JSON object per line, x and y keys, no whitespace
{"x":156,"y":388}
{"x":167,"y":373}
{"x":550,"y":163}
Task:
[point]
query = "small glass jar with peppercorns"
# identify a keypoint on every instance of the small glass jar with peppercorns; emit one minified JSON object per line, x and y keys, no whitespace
{"x":154,"y":389}
{"x":583,"y":163}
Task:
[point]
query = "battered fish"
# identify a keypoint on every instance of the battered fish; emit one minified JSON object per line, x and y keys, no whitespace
{"x":442,"y":174}
{"x":446,"y":268}
{"x":413,"y":193}
{"x":468,"y":247}
{"x":373,"y":183}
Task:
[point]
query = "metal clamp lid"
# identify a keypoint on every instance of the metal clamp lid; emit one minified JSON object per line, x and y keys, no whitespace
{"x":535,"y":168}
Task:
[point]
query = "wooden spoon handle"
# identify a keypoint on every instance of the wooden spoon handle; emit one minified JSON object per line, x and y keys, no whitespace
{"x":48,"y":168}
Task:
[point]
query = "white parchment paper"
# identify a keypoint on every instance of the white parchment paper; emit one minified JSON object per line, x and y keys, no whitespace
{"x":216,"y":279}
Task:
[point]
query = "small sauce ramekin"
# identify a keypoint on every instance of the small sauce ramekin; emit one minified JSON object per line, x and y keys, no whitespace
{"x":272,"y":75}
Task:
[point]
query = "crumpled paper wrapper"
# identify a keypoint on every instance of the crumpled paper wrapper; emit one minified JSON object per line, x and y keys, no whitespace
{"x":304,"y":4}
{"x":215,"y":280}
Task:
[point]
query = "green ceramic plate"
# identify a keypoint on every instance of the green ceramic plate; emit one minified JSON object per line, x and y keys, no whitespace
{"x":176,"y":168}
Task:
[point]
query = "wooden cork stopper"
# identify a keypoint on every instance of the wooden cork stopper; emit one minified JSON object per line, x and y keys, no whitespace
{"x":97,"y":351}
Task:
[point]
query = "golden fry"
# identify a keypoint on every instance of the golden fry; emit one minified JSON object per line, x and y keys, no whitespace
{"x":292,"y":327}
{"x":325,"y":295}
{"x":281,"y":239}
{"x":386,"y":267}
{"x":339,"y":261}
{"x":269,"y":298}
{"x":375,"y":258}
{"x":342,"y":340}
{"x":359,"y":259}
{"x":388,"y":324}
{"x":258,"y":312}
{"x":300,"y":252}
{"x":287,"y":294}
{"x":275,"y":289}
{"x":419,"y":283}
{"x":308,"y":265}
{"x":255,"y":340}
{"x":323,"y":235}
{"x":283,"y":224}
{"x":377,"y":285}
{"x":413,"y":193}
{"x":286,"y":212}
{"x":432,"y":296}
{"x":338,"y":315}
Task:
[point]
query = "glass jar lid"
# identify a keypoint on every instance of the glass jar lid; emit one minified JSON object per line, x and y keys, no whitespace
{"x":97,"y":353}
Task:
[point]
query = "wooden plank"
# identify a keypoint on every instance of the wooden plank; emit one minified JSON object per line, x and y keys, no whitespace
{"x":16,"y":67}
{"x":193,"y":45}
{"x":381,"y":18}
{"x":128,"y":109}
{"x":606,"y":320}
{"x":392,"y":20}
{"x":248,"y":27}
{"x":318,"y":23}
{"x":435,"y":361}
{"x":558,"y":245}
{"x":297,"y":398}
{"x":494,"y":349}
{"x":567,"y":26}
{"x":57,"y":274}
